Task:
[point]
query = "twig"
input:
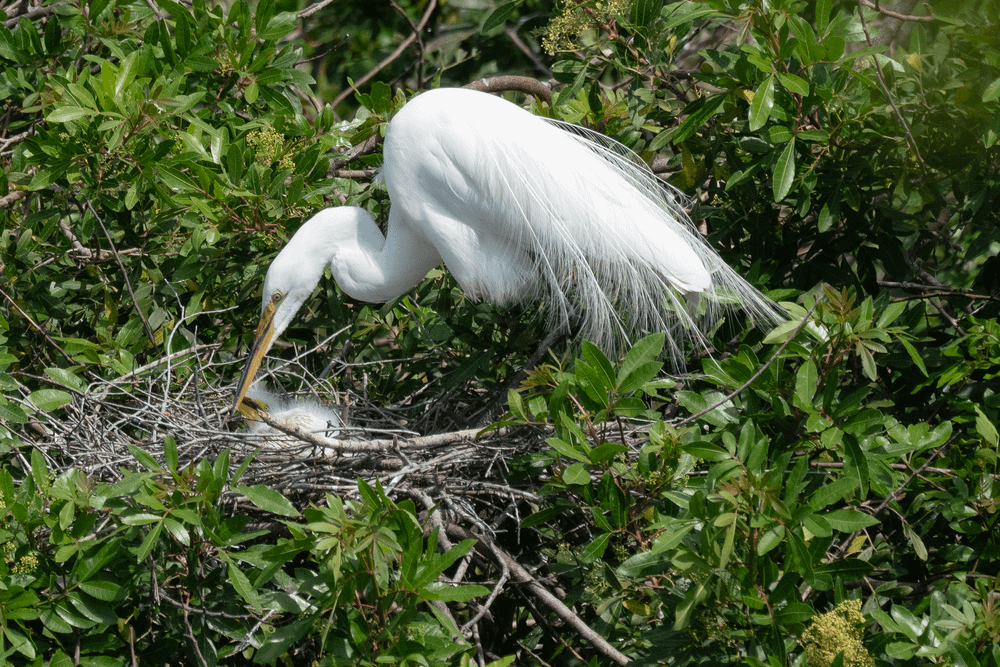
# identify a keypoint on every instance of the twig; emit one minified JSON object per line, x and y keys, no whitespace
{"x":512,"y":35}
{"x":760,"y":371}
{"x":121,"y":266}
{"x":389,"y":59}
{"x":895,"y":15}
{"x":885,"y":91}
{"x":522,"y":576}
{"x":521,"y":84}
{"x":312,"y":9}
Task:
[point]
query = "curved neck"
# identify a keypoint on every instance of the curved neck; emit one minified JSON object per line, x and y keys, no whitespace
{"x":368,"y":266}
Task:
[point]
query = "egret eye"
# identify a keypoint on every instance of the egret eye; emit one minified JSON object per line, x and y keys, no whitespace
{"x":276,"y":297}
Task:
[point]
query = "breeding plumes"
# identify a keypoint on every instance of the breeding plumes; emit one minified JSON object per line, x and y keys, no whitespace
{"x":518,"y":208}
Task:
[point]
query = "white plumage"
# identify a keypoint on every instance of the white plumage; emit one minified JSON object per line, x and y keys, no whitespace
{"x":312,"y":416}
{"x":518,"y":208}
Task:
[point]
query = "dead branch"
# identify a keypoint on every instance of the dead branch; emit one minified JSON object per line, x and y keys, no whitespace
{"x":520,"y":84}
{"x":388,"y":60}
{"x":522,"y":576}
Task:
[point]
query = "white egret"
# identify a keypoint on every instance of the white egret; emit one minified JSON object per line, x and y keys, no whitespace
{"x":518,"y":208}
{"x":313,"y":417}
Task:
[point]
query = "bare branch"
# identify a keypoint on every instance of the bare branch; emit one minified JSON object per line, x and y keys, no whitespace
{"x":389,"y":59}
{"x":521,"y":84}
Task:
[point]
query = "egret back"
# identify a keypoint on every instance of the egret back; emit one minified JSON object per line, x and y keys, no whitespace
{"x":520,"y":208}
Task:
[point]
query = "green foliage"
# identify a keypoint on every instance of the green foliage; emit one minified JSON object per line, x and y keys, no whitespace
{"x":723,"y":537}
{"x":155,"y":157}
{"x":156,"y":565}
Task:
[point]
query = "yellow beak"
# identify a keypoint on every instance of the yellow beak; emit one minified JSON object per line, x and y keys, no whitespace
{"x":261,"y":344}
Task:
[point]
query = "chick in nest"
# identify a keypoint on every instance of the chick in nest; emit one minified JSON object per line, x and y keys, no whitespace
{"x":319,"y":421}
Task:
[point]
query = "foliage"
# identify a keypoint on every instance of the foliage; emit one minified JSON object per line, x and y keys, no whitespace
{"x":156,"y":155}
{"x":156,"y":565}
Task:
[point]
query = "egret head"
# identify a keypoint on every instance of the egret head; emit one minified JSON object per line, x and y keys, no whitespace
{"x":291,"y":279}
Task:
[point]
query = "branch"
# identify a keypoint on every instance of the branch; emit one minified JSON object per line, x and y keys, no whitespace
{"x":760,"y":371}
{"x":895,"y":15}
{"x":521,"y":84}
{"x":388,"y":60}
{"x":128,"y":283}
{"x":885,"y":88}
{"x":33,"y":13}
{"x":522,"y":576}
{"x":16,"y":195}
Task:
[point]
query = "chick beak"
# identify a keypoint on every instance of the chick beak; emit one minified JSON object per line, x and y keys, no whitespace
{"x":261,"y":344}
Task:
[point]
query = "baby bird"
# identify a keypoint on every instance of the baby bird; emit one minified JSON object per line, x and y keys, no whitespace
{"x":312,"y":417}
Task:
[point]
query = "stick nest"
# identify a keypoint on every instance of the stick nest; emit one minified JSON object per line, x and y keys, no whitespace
{"x":173,"y":398}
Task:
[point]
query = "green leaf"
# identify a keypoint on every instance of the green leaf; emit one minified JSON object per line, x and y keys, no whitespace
{"x":770,"y":539}
{"x":47,"y":400}
{"x":67,"y":113}
{"x":640,"y":366}
{"x":595,"y":549}
{"x":805,"y":384}
{"x":822,"y":14}
{"x":985,"y":428}
{"x":699,"y":112}
{"x":499,"y":16}
{"x":277,"y":643}
{"x":644,"y":12}
{"x":65,"y":377}
{"x":848,"y":521}
{"x":565,"y":449}
{"x":784,"y":172}
{"x":242,"y":585}
{"x":445,"y":592}
{"x":762,"y":103}
{"x":685,"y":610}
{"x":145,"y":459}
{"x":267,"y":499}
{"x":570,"y":92}
{"x":576,"y":473}
{"x":962,"y":656}
{"x":919,"y":548}
{"x":992,"y":91}
{"x":170,"y":453}
{"x":107,"y":591}
{"x":794,"y":84}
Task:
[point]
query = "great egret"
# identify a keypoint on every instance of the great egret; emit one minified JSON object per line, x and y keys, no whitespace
{"x":518,"y":208}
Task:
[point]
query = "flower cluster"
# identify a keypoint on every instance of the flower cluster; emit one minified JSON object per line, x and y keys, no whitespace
{"x":835,"y":632}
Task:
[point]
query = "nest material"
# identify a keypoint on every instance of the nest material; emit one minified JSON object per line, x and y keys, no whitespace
{"x":172,"y":398}
{"x":458,"y":478}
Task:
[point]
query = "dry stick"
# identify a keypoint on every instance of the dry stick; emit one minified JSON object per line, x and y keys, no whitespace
{"x":312,"y":9}
{"x":885,"y":90}
{"x":121,"y":265}
{"x":522,"y":576}
{"x":388,"y":59}
{"x":774,"y":357}
{"x":895,"y":15}
{"x":37,"y":327}
{"x":31,"y":14}
{"x":521,"y":84}
{"x":7,"y":200}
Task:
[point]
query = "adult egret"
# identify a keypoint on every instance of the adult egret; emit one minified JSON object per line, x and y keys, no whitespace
{"x":518,"y":208}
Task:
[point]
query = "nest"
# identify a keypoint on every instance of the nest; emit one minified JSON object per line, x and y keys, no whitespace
{"x":458,"y":478}
{"x":174,"y":398}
